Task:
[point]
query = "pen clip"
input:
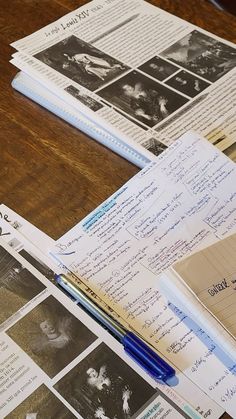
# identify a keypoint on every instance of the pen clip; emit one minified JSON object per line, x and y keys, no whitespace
{"x":147,"y":358}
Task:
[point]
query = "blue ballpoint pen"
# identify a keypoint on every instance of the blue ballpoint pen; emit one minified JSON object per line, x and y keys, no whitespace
{"x":135,"y":347}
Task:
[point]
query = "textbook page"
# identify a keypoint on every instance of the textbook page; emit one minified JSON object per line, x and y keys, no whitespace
{"x":138,"y":72}
{"x":184,"y":201}
{"x":57,"y":362}
{"x":33,"y":255}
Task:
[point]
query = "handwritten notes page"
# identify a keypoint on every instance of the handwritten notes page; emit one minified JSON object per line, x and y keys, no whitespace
{"x":182,"y":202}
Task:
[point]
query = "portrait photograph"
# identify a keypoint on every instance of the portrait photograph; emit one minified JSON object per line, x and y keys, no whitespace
{"x":187,"y":83}
{"x":158,"y":68}
{"x":51,"y":336}
{"x":154,"y":146}
{"x":86,"y":100}
{"x":143,"y":98}
{"x":202,"y":55}
{"x":103,"y":386}
{"x":17,"y":285}
{"x":41,"y":404}
{"x":81,"y":62}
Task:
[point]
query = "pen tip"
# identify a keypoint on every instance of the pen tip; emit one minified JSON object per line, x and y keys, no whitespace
{"x":172,"y":381}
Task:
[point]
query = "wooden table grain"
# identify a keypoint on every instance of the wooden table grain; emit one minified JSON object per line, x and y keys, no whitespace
{"x":51,"y":173}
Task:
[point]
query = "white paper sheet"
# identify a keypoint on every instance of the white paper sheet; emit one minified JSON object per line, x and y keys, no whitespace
{"x":39,"y":363}
{"x":180,"y":203}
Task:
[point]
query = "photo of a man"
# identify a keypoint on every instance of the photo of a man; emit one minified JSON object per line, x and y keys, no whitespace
{"x":51,"y":336}
{"x":82,"y":62}
{"x":187,"y":83}
{"x":158,"y":68}
{"x":142,"y":98}
{"x":96,"y":66}
{"x":104,"y":386}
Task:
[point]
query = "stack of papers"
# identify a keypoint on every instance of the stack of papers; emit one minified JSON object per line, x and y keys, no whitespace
{"x":131,"y":76}
{"x":181,"y":203}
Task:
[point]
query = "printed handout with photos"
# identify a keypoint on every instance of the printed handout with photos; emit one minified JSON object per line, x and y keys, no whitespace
{"x":137,"y":71}
{"x":56,"y":362}
{"x":18,"y":233}
{"x":181,"y":203}
{"x":206,"y":407}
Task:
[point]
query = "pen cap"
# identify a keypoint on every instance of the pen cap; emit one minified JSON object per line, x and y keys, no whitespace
{"x":147,"y":358}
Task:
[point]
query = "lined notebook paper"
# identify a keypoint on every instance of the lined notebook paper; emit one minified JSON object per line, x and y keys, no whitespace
{"x":211,"y":275}
{"x":204,"y":286}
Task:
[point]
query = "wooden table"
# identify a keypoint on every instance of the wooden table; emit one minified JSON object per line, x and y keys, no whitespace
{"x":52,"y":174}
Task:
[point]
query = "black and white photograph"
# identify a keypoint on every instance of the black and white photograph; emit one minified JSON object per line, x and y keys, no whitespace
{"x":154,"y":146}
{"x":81,"y":62}
{"x":51,"y":336}
{"x":158,"y":68}
{"x":104,"y":386}
{"x":143,"y":98}
{"x":41,"y":404}
{"x":202,"y":55}
{"x":187,"y":83}
{"x":38,"y":264}
{"x":17,"y":285}
{"x":86,"y":100}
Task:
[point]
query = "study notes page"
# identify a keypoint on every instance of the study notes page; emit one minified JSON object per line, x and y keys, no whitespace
{"x":182,"y":202}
